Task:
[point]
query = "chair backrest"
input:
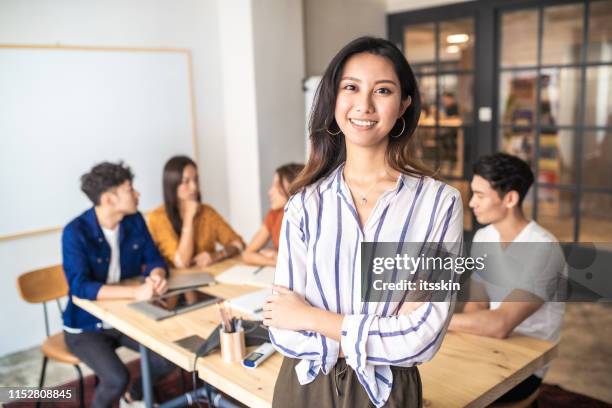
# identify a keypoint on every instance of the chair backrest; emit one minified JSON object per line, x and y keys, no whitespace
{"x":43,"y":285}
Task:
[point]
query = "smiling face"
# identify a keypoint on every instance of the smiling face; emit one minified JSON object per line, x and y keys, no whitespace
{"x":369,"y":100}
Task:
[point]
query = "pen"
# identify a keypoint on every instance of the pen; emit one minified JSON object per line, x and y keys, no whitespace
{"x":256,"y":271}
{"x":225,"y":320}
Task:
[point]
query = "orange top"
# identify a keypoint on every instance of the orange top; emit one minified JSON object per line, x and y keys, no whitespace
{"x":209,"y":228}
{"x":273,"y":223}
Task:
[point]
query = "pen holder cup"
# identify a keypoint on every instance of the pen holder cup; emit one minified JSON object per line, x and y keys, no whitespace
{"x":232,"y":345}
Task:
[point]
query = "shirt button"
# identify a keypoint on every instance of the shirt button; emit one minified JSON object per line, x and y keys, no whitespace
{"x":99,"y":260}
{"x":135,"y":246}
{"x":100,"y":239}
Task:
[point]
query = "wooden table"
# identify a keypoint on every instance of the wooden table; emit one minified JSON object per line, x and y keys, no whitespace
{"x":468,"y":370}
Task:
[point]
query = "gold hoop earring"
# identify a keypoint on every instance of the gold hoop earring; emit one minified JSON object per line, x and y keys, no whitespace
{"x":333,"y":134}
{"x":403,"y":128}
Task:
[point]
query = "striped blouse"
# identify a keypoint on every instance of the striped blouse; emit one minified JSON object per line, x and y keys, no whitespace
{"x":319,"y":257}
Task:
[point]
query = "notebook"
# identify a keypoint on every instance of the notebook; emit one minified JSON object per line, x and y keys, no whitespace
{"x":251,"y":303}
{"x":189,"y":280}
{"x":262,"y":276}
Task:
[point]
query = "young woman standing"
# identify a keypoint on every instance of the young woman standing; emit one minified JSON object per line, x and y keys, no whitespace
{"x":360,"y":184}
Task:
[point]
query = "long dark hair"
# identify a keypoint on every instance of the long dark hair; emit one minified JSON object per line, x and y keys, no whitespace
{"x":328,"y":152}
{"x":172,"y":178}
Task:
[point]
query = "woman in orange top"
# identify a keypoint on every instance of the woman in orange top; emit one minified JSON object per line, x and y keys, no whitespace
{"x":256,"y":252}
{"x":185,"y":230}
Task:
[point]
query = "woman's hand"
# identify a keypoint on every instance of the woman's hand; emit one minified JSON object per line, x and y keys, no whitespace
{"x":286,"y":310}
{"x":409,"y":307}
{"x":203,"y":259}
{"x":189,"y":209}
{"x":269,"y":253}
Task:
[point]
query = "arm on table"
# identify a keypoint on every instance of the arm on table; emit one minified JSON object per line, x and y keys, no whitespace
{"x":498,"y":323}
{"x":477,"y":291}
{"x":80,"y":279}
{"x":251,"y":254}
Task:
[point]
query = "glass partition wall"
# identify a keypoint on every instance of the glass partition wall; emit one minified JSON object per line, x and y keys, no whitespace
{"x":442,"y":55}
{"x":529,"y":77}
{"x":554,"y":111}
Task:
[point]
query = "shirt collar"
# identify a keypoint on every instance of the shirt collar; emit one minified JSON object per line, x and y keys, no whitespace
{"x":91,"y":220}
{"x":342,"y":188}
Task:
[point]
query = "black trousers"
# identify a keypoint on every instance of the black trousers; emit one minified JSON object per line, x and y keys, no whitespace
{"x":97,"y":350}
{"x":521,"y":390}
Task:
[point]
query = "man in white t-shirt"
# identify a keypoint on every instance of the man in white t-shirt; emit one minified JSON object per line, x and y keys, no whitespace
{"x":523,"y":265}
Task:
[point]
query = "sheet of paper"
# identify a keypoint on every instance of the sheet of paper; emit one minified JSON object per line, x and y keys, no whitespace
{"x":248,"y":275}
{"x":251,"y":303}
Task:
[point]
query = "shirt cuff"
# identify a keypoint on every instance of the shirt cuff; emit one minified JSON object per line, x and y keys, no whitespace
{"x":355,"y":338}
{"x":92,"y":289}
{"x":150,"y":266}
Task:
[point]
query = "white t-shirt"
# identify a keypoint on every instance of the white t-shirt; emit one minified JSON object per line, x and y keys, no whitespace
{"x":114,"y":267}
{"x":533,"y":272}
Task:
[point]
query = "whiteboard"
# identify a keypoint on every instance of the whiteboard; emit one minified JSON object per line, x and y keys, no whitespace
{"x":64,"y":110}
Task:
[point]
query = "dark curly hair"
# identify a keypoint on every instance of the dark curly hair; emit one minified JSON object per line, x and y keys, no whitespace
{"x":505,"y":173}
{"x":103,"y":177}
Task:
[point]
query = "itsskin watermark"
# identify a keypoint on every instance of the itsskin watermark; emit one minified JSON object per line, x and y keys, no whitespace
{"x":410,"y":264}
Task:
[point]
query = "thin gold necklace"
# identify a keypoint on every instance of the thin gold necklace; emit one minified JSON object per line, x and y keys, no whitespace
{"x":363,"y":197}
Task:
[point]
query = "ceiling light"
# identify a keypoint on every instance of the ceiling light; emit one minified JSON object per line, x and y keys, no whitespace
{"x":453,"y":49}
{"x":457,"y":38}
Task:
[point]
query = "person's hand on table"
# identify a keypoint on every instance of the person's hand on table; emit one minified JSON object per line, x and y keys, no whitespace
{"x":203,"y":259}
{"x":144,"y":291}
{"x":286,"y":310}
{"x":269,"y":253}
{"x":158,"y":280}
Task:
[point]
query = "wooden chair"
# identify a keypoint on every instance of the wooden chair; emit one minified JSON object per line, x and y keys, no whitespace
{"x":41,"y":286}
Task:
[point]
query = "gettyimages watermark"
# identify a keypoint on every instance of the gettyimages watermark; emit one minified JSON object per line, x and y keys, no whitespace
{"x":486,"y":271}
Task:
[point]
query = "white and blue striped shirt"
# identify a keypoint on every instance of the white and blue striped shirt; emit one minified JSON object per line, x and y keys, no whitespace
{"x":319,"y":255}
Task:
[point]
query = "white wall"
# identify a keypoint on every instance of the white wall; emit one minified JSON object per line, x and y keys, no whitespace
{"x":240,"y":115}
{"x":278,"y":36}
{"x":331,"y":24}
{"x":396,"y":6}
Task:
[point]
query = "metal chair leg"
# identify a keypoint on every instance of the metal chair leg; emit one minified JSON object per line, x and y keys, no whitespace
{"x":183,"y":382}
{"x":41,"y":382}
{"x":81,"y":386}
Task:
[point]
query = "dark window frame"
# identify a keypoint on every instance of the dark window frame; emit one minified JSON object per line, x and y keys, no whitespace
{"x":487,"y":68}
